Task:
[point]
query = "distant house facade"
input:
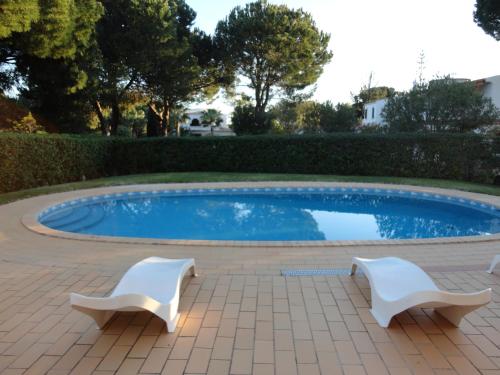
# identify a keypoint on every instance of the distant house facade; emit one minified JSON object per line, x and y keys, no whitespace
{"x":372,"y":114}
{"x":489,"y":87}
{"x":193,"y":124}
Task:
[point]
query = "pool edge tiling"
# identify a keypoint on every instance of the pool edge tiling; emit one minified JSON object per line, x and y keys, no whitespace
{"x":31,"y":220}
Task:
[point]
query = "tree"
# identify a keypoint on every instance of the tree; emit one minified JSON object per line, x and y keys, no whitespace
{"x":309,"y":116}
{"x":211,"y":116}
{"x":286,"y":114}
{"x":405,"y":111}
{"x":59,"y":91}
{"x":17,"y":16}
{"x":43,"y":29}
{"x":441,"y":105}
{"x":183,"y":68}
{"x":457,"y":106}
{"x":274,"y":48}
{"x":129,"y":35}
{"x":487,"y":16}
{"x":341,"y":118}
{"x":246,"y":121}
{"x":313,"y":117}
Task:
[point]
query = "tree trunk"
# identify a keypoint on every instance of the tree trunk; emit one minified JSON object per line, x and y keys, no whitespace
{"x":165,"y":118}
{"x":178,"y":127}
{"x":102,"y":120}
{"x":115,"y":116}
{"x":154,"y":122}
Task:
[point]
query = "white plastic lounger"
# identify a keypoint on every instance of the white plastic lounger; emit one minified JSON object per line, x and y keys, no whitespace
{"x":152,"y":284}
{"x":494,"y":263}
{"x":397,"y":285}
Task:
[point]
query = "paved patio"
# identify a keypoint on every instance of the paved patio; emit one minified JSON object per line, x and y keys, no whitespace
{"x":239,"y":316}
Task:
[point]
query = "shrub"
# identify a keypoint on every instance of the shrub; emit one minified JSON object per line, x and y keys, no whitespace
{"x":27,"y":125}
{"x":33,"y":160}
{"x":246,"y":121}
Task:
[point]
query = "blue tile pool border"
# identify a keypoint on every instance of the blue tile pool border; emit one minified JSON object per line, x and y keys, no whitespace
{"x":474,"y":204}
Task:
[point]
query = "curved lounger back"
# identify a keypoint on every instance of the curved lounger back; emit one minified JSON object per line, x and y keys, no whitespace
{"x":397,"y":285}
{"x":152,"y":284}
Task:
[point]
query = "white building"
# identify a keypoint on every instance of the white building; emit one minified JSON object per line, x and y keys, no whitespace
{"x":195,"y":116}
{"x":373,"y":113}
{"x":490,"y":88}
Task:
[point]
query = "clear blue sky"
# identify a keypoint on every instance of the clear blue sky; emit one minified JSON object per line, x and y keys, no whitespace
{"x":385,"y":37}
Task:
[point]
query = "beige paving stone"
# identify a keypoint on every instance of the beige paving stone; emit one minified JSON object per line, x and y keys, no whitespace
{"x":130,"y":366}
{"x":72,"y":357}
{"x":103,"y":344}
{"x":174,"y":367}
{"x":305,"y":352}
{"x":308,"y":369}
{"x":114,"y":358}
{"x":155,"y":361}
{"x":63,"y":344}
{"x":206,"y":338}
{"x":263,"y":369}
{"x":263,"y":352}
{"x":182,"y":348}
{"x":198,"y":361}
{"x":223,"y":348}
{"x":241,"y":363}
{"x":30,"y":356}
{"x":244,"y":338}
{"x":285,"y":362}
{"x":142,"y":347}
{"x":42,"y":365}
{"x":227,"y":328}
{"x":86,"y":366}
{"x":218,"y":367}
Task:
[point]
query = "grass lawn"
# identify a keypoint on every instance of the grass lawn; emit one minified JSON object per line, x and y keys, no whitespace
{"x":228,"y":177}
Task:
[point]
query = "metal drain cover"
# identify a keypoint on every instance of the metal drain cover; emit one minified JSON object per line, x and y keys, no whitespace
{"x":317,"y":272}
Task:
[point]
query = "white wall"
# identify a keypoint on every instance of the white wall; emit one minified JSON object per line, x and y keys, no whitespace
{"x":492,"y":90}
{"x":373,"y":113}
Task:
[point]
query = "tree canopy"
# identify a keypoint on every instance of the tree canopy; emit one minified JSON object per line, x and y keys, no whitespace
{"x":487,"y":16}
{"x":45,"y":29}
{"x":274,"y":48}
{"x":441,"y":105}
{"x":183,"y":68}
{"x":314,"y":117}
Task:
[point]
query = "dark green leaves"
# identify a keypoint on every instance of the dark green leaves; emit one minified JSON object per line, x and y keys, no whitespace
{"x":487,"y":16}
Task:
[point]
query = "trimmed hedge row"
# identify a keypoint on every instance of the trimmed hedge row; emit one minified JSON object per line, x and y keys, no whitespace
{"x":29,"y":160}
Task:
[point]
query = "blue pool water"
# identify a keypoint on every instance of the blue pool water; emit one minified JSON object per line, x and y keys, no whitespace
{"x":275,"y":215}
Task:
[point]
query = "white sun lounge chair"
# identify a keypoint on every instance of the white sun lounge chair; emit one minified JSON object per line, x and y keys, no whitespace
{"x":152,"y":284}
{"x":397,"y":285}
{"x":494,"y":263}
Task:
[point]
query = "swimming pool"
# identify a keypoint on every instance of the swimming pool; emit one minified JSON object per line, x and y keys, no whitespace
{"x":274,"y":214}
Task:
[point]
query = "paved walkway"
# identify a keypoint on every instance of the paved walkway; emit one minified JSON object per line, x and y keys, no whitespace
{"x":239,"y":316}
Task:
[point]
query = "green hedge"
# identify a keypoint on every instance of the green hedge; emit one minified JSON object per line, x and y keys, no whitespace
{"x":36,"y":160}
{"x":28,"y":161}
